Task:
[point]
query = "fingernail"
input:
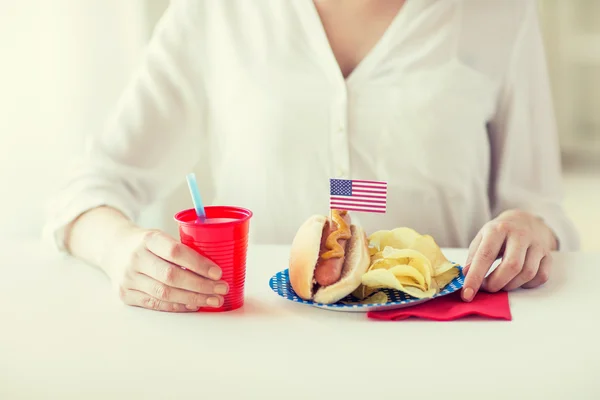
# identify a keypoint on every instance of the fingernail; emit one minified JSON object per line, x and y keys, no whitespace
{"x":221,"y":288}
{"x":192,"y":307}
{"x":214,"y":273}
{"x":213,"y":302}
{"x":468,"y":294}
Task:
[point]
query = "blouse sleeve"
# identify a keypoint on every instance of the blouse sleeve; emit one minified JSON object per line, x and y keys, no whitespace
{"x":150,"y":141}
{"x":526,"y":164}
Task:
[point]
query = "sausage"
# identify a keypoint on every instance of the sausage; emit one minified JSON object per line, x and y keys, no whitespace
{"x":332,"y":252}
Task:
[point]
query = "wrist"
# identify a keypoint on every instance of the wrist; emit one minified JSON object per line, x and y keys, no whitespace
{"x":554,"y":243}
{"x":117,"y":248}
{"x":549,"y":237}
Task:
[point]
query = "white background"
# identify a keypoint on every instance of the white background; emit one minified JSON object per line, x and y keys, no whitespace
{"x":63,"y":63}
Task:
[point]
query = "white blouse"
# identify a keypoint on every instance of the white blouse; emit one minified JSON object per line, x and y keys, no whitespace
{"x":452,"y":108}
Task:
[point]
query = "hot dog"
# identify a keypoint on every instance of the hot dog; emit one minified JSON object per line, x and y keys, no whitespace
{"x":333,"y":248}
{"x":328,"y":258}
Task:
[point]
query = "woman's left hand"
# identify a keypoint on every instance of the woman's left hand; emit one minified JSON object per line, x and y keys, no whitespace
{"x":523,"y":241}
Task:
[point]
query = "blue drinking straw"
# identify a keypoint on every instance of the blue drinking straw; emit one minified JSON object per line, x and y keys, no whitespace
{"x":195,"y":193}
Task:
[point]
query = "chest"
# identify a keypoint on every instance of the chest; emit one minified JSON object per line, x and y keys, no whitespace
{"x":353,"y":27}
{"x":282,"y":81}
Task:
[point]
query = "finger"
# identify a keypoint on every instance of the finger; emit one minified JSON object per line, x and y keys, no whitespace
{"x":160,"y":291}
{"x":176,"y":277}
{"x":484,"y":257}
{"x":472,"y":249}
{"x":543,"y":274}
{"x":530,"y":269}
{"x":512,"y":263}
{"x":177,"y":253}
{"x":144,"y":300}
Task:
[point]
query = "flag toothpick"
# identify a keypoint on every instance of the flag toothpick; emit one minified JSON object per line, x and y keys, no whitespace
{"x":358,"y":195}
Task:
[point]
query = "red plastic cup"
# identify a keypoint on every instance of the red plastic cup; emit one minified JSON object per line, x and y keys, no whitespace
{"x":222,"y":238}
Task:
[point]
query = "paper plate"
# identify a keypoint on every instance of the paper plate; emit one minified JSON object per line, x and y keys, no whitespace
{"x":280,"y":284}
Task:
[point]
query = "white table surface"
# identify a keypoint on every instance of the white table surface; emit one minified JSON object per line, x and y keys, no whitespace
{"x":63,"y":335}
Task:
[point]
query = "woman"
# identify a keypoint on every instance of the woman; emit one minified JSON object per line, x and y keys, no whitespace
{"x":447,"y":101}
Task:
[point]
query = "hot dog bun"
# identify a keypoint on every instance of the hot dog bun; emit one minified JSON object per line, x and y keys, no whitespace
{"x":304,"y":256}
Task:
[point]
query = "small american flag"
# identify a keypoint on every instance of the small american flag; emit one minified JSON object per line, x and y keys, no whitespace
{"x":357,"y":195}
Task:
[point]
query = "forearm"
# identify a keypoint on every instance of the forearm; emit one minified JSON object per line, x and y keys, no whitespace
{"x":91,"y":236}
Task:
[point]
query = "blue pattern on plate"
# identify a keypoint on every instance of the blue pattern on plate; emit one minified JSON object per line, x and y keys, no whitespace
{"x":280,"y":284}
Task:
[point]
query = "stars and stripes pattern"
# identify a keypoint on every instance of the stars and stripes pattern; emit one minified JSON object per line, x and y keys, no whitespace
{"x":358,"y":195}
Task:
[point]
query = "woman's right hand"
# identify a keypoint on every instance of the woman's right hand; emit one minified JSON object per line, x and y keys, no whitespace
{"x":152,"y":270}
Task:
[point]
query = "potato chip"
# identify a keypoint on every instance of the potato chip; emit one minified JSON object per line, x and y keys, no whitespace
{"x":399,"y":238}
{"x":384,"y":263}
{"x":412,"y":258}
{"x":380,"y":239}
{"x":404,"y":237}
{"x":442,"y":269}
{"x":409,"y":275}
{"x":429,"y":248}
{"x":377,"y":298}
{"x":420,"y":294}
{"x":385,"y":279}
{"x":362,"y":292}
{"x":442,"y":280}
{"x":381,"y":279}
{"x":373,"y":250}
{"x":404,"y":260}
{"x":376,"y":256}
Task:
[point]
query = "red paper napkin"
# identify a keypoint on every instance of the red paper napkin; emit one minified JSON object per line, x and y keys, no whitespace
{"x":452,"y":307}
